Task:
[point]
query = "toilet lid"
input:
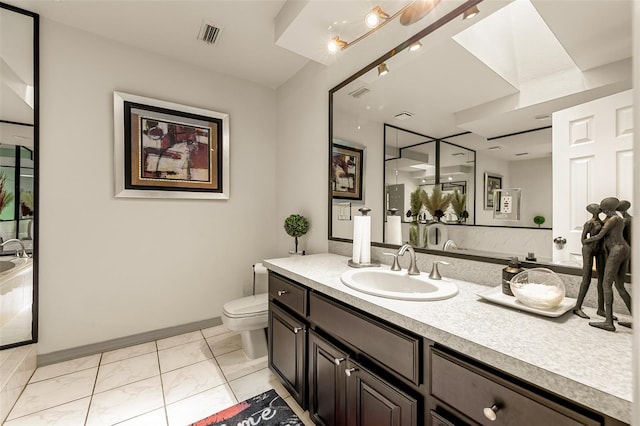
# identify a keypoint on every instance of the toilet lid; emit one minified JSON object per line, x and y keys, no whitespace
{"x":247,"y":306}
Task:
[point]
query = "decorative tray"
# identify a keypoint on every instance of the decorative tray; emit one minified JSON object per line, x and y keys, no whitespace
{"x":495,"y":294}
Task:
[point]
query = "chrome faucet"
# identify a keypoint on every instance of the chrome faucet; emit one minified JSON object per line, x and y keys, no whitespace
{"x":413,"y":269}
{"x":435,"y":274}
{"x":24,"y":254}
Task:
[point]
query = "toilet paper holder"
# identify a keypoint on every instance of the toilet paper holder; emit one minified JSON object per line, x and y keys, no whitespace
{"x":358,"y":238}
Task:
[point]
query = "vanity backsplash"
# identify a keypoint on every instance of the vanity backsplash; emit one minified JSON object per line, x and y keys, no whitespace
{"x":489,"y":274}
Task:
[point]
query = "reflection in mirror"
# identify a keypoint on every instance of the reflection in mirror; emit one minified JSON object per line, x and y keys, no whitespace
{"x":18,"y":142}
{"x":419,"y":162}
{"x":513,"y":85}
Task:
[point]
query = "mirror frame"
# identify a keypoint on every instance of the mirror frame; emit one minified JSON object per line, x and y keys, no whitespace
{"x":455,"y":13}
{"x":36,"y":167}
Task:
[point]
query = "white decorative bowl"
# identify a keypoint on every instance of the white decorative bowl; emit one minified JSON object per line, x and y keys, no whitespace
{"x":538,"y":288}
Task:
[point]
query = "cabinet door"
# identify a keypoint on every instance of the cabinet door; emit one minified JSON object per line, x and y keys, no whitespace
{"x":374,"y":402}
{"x":287,"y":351}
{"x":326,"y":382}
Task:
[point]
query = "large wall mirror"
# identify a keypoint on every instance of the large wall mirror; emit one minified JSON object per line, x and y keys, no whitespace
{"x":503,"y":101}
{"x":18,"y":176}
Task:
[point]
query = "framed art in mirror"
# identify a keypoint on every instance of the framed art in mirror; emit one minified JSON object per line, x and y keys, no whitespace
{"x":347,"y":167}
{"x":491,"y":183}
{"x":168,"y":150}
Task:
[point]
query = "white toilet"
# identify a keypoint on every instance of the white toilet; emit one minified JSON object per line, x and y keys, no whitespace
{"x":249,"y":316}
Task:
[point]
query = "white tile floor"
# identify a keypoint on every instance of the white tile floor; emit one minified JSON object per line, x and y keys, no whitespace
{"x":173,"y":381}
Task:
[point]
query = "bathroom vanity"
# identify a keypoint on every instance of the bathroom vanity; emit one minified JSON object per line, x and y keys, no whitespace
{"x":355,"y":359}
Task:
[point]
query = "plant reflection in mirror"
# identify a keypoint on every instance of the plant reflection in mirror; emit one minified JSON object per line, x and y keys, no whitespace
{"x":6,"y":197}
{"x":459,"y":205}
{"x":437,"y":203}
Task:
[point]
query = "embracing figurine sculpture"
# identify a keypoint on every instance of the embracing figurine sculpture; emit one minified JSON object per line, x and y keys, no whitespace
{"x":617,"y":253}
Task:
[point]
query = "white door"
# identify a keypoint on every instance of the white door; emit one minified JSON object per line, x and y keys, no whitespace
{"x":592,"y":160}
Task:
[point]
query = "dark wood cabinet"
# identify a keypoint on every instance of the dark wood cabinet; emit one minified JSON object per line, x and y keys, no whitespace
{"x":327,"y":388}
{"x":351,"y":368}
{"x":287,"y":351}
{"x":372,"y":401}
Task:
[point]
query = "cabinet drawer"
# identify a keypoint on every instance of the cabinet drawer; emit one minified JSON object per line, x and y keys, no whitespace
{"x":466,"y":390}
{"x":396,"y":350}
{"x":288,"y":294}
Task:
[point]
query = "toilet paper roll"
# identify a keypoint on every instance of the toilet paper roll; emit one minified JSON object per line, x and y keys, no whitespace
{"x":394,"y":230}
{"x":357,"y":238}
{"x":261,"y":276}
{"x":365,"y":249}
{"x":362,"y":239}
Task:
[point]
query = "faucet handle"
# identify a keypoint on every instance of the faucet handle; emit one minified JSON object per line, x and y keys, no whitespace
{"x":395,"y":266}
{"x":435,"y":274}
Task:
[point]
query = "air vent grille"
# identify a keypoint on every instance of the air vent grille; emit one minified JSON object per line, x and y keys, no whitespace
{"x":209,"y":33}
{"x":359,"y":92}
{"x":403,"y":115}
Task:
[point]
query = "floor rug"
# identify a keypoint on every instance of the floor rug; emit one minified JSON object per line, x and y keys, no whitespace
{"x":265,"y":409}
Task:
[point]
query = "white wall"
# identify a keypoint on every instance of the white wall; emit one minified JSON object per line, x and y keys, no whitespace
{"x":302,"y":156}
{"x":535,"y":178}
{"x":112,"y":267}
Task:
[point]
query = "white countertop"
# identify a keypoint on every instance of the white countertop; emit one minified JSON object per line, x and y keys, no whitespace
{"x":563,"y":355}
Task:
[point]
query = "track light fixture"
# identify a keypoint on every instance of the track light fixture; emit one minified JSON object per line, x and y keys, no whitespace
{"x":375,"y":17}
{"x":336,"y":44}
{"x":412,"y":12}
{"x":470,"y":13}
{"x":382,"y":69}
{"x":415,"y":46}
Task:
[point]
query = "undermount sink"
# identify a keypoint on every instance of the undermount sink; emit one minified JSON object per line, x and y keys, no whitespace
{"x":398,"y":284}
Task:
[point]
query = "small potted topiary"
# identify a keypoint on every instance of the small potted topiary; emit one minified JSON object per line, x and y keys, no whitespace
{"x":538,"y":220}
{"x":296,"y":226}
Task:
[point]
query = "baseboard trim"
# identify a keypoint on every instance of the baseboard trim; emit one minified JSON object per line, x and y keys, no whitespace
{"x":123,"y":342}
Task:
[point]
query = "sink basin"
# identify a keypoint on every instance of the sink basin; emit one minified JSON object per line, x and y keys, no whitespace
{"x":398,"y":284}
{"x":5,"y":265}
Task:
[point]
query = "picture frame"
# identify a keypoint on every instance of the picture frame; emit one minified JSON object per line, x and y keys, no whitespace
{"x":168,"y":150}
{"x":452,"y":186}
{"x":492,"y":182}
{"x":347,"y":170}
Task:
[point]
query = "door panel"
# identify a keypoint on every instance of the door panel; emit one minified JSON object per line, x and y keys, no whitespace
{"x":592,"y":160}
{"x":373,"y":402}
{"x":287,"y":351}
{"x":326,"y":382}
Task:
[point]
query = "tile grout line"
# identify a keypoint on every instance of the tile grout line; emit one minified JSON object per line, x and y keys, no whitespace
{"x":215,"y":359}
{"x":18,"y":399}
{"x":93,"y":390}
{"x":164,"y":400}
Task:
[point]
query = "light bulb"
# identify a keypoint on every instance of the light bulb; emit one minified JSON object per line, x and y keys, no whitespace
{"x":372,"y":19}
{"x":332,"y":46}
{"x":335,"y":44}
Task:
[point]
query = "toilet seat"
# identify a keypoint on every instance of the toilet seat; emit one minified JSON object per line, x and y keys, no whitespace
{"x":245,"y":307}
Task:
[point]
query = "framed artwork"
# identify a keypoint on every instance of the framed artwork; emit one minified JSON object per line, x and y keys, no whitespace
{"x":168,"y":150}
{"x":491,"y":183}
{"x":452,"y":186}
{"x":346,"y":166}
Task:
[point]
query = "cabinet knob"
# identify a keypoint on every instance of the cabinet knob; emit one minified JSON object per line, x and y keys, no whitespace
{"x":348,"y":371}
{"x":282,"y":292}
{"x":297,"y":329}
{"x":338,"y":361}
{"x":491,"y":413}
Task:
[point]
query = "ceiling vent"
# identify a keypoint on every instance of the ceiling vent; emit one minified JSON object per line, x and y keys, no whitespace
{"x":359,"y":92}
{"x":403,"y":115}
{"x":209,"y":33}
